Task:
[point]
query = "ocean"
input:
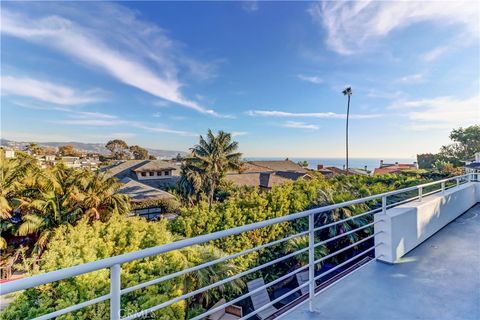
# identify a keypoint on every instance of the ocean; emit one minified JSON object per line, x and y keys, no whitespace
{"x":360,"y":163}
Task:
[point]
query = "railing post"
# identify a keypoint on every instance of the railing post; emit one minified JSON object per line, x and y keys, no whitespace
{"x":469,"y":177}
{"x":384,"y":204}
{"x":443,"y":187}
{"x":420,"y":194}
{"x":458,"y":181}
{"x":115,"y":292}
{"x":311,"y":260}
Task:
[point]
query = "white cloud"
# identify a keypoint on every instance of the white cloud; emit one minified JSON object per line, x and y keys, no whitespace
{"x":47,"y":91}
{"x":250,"y":6}
{"x":323,"y":115}
{"x":412,"y":78}
{"x":114,"y":41}
{"x":441,"y":112}
{"x":434,"y":54}
{"x":351,"y":26}
{"x":239,"y":133}
{"x":312,"y":79}
{"x":300,"y":125}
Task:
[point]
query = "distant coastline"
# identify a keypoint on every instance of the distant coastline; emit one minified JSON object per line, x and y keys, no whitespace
{"x":360,"y":163}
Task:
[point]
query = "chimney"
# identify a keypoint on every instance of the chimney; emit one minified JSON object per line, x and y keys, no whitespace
{"x":319,"y":166}
{"x":366,"y":169}
{"x":343,"y":167}
{"x":381,"y":163}
{"x":396,"y":163}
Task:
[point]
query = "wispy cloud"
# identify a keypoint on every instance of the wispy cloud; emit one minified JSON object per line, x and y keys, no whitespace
{"x":441,"y":112}
{"x":239,"y":133}
{"x":322,"y":115}
{"x":412,"y":78}
{"x":351,"y":26}
{"x":435,"y":53}
{"x":47,"y":91}
{"x":115,"y":41}
{"x":311,"y":79}
{"x":98,"y":119}
{"x":300,"y":125}
{"x":250,"y":6}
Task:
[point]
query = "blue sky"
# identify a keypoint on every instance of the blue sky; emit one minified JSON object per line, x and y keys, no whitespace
{"x":158,"y":74}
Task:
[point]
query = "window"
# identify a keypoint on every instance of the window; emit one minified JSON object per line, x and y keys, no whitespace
{"x":151,"y":174}
{"x":166,"y":173}
{"x":144,"y":174}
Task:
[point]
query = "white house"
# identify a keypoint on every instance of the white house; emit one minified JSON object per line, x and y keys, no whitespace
{"x":473,"y":165}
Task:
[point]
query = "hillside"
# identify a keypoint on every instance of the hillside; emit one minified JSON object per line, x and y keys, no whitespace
{"x":87,"y":147}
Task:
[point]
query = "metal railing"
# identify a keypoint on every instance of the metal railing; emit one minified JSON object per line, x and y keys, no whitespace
{"x":115,"y":263}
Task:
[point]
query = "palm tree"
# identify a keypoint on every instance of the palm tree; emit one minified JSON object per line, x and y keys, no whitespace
{"x":347,"y":92}
{"x":210,"y":160}
{"x":206,"y":276}
{"x":97,"y":196}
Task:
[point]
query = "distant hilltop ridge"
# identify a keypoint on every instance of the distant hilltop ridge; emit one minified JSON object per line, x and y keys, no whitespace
{"x":87,"y":147}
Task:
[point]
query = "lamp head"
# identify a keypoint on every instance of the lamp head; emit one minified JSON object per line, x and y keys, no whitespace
{"x":347,"y":91}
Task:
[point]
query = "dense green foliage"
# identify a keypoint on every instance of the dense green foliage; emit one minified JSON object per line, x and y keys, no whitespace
{"x":87,"y":242}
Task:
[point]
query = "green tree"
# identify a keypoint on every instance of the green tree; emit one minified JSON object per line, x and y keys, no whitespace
{"x":118,"y":149}
{"x":209,"y":161}
{"x":34,"y":148}
{"x":139,"y":153}
{"x":68,"y":151}
{"x":466,"y":142}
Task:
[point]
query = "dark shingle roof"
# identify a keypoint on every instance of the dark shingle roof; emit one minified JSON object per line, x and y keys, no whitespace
{"x":278,"y":165}
{"x":127,"y":168}
{"x":155,"y":165}
{"x":139,"y":192}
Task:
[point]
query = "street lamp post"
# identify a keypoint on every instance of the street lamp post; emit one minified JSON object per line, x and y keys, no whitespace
{"x":347,"y":92}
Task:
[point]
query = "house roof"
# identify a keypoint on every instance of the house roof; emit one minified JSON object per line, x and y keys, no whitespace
{"x":264,"y":179}
{"x":274,"y":165}
{"x":123,"y":169}
{"x":473,"y":165}
{"x":139,"y":192}
{"x":155,"y":165}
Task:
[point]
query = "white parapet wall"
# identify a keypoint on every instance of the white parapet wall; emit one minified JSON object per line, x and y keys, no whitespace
{"x":406,"y":226}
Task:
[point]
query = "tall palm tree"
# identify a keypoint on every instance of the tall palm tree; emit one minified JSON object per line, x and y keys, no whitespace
{"x":210,"y":160}
{"x":347,"y":92}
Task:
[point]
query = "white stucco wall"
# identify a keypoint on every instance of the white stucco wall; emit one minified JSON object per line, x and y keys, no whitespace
{"x":408,"y":225}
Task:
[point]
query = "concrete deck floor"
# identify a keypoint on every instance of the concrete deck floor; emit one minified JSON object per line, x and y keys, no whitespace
{"x":440,"y":279}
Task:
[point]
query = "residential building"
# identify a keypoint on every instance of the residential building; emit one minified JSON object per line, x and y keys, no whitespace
{"x":473,"y":165}
{"x":390,"y":168}
{"x":159,"y":174}
{"x":9,"y":154}
{"x":140,"y":193}
{"x":71,"y":162}
{"x":266,"y":174}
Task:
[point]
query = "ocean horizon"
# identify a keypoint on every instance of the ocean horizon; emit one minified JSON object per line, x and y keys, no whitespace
{"x":359,"y":163}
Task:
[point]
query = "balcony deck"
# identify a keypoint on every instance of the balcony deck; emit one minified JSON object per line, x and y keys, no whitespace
{"x":440,"y":279}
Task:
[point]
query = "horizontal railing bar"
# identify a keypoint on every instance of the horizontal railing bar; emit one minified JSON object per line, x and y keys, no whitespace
{"x":210,"y":263}
{"x":346,"y":248}
{"x":271,"y":303}
{"x":346,"y":219}
{"x":213,"y":285}
{"x":346,"y":233}
{"x":62,"y":274}
{"x":73,"y":308}
{"x":248,"y":294}
{"x":346,"y":261}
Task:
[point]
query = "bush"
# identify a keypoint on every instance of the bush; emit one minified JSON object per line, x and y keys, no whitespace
{"x":74,"y":245}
